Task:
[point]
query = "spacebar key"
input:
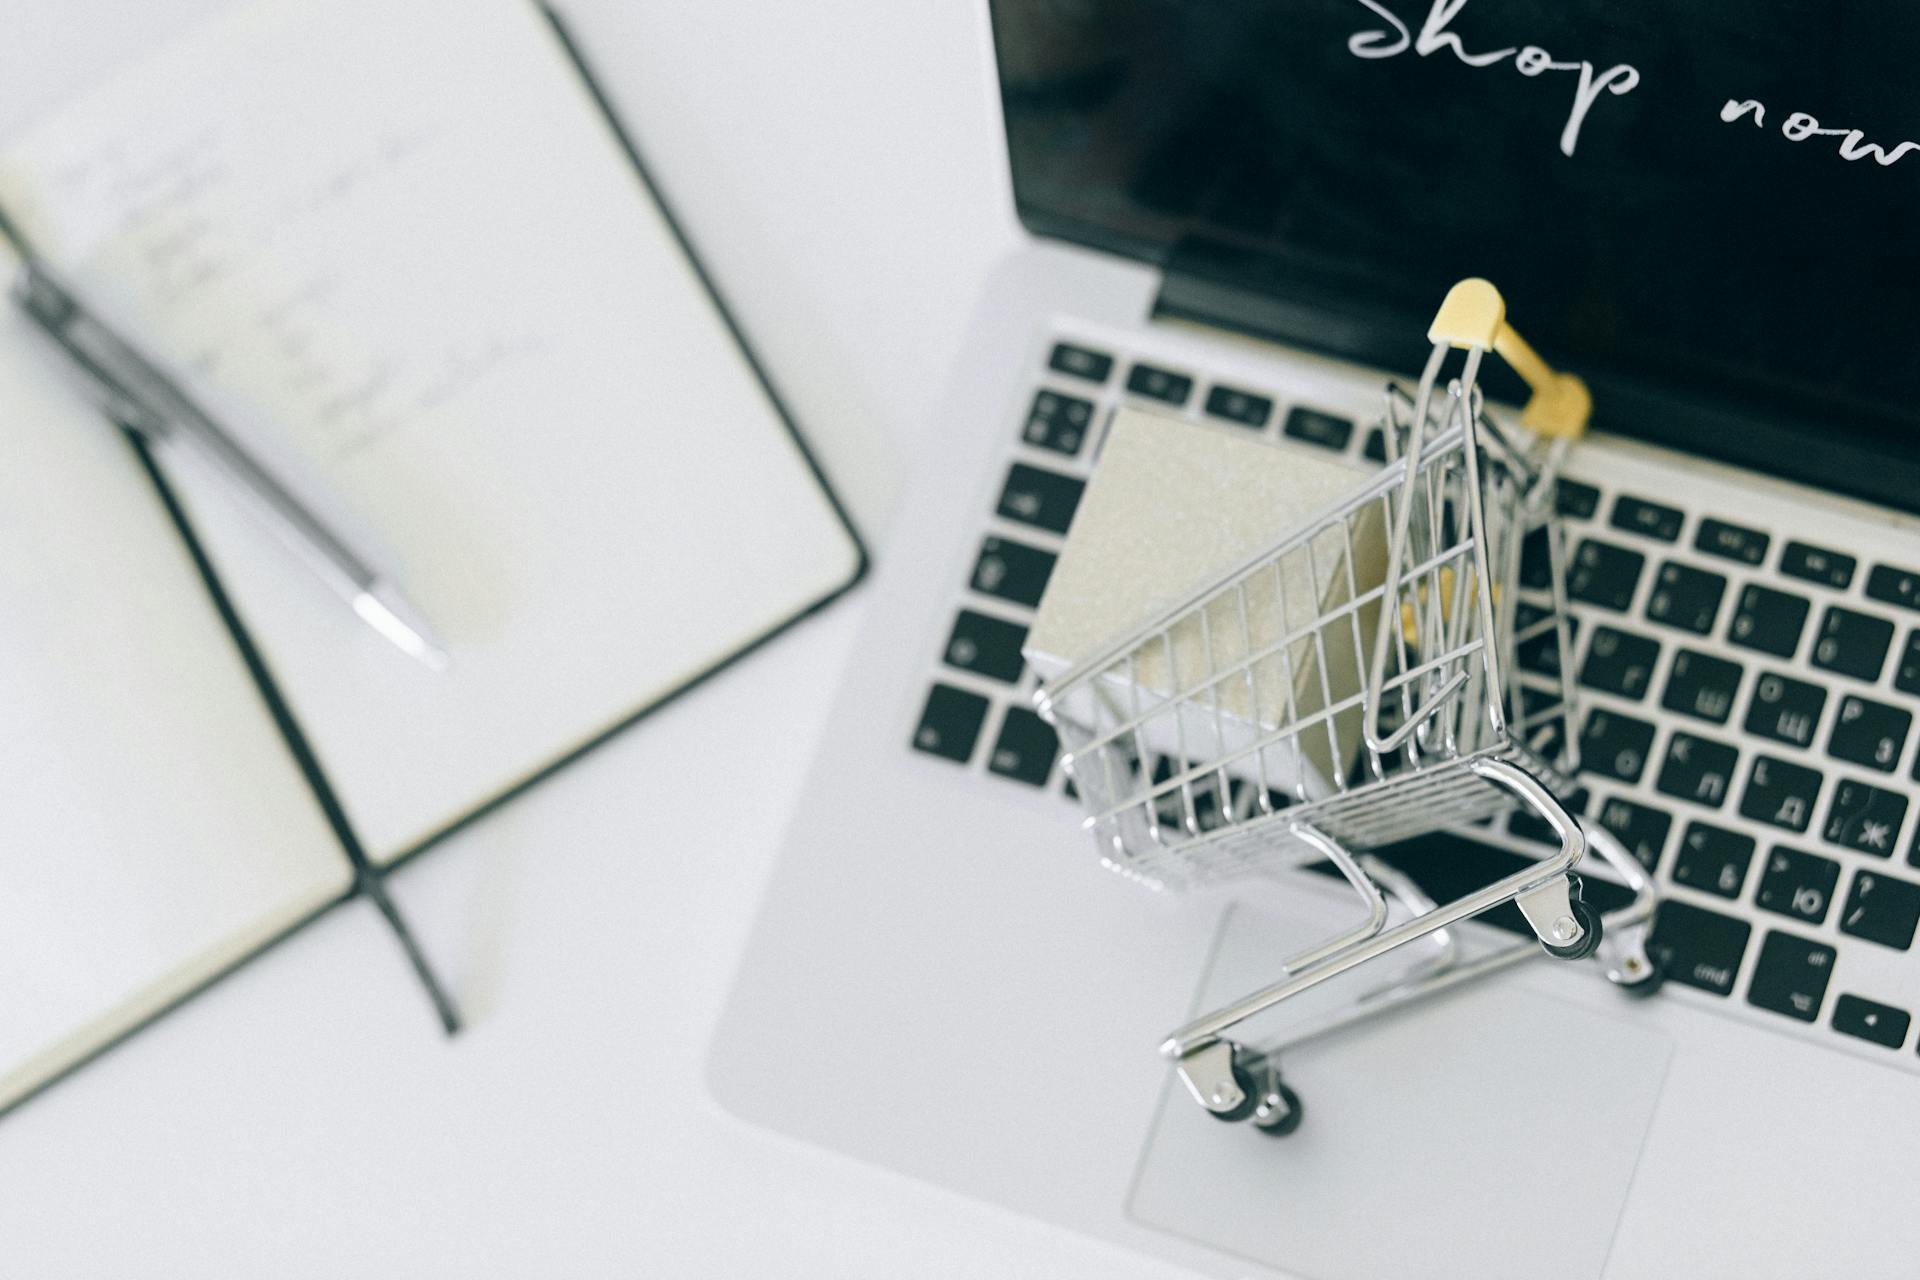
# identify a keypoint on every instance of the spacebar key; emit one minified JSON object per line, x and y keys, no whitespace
{"x":1698,"y":947}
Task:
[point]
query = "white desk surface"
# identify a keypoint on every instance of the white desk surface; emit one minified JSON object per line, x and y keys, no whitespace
{"x":839,"y":165}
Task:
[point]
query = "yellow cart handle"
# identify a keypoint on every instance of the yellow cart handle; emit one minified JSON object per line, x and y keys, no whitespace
{"x":1475,"y":315}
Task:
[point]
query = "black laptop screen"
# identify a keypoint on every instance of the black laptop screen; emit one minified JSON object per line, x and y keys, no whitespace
{"x":1717,"y":198}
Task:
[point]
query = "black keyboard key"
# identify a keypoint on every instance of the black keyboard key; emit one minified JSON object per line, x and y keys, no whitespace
{"x":1817,"y":564}
{"x":1699,"y":947}
{"x":1604,"y":574}
{"x":1619,"y":662}
{"x":1882,"y":909}
{"x":1731,"y":541}
{"x":1895,"y":586}
{"x":1043,"y":499}
{"x":1640,"y":827}
{"x":1698,"y":769}
{"x":1243,"y":407}
{"x":1797,"y":884}
{"x":1686,"y":597}
{"x":1906,"y":676}
{"x":1780,"y":793}
{"x":1768,"y":620}
{"x":1869,"y":733}
{"x":1536,"y":560}
{"x":1094,"y":366}
{"x":1025,"y":749}
{"x":1713,"y":860}
{"x":950,"y":723}
{"x":986,"y":646}
{"x":1637,"y":515}
{"x":1012,"y":571}
{"x":1575,"y":500}
{"x":1163,"y":385}
{"x":1791,"y":975}
{"x":1881,"y":1024}
{"x":1701,"y":685}
{"x":1854,"y":644}
{"x":1375,"y":448}
{"x":1615,"y":746}
{"x":1328,"y":430}
{"x":1540,"y":651}
{"x":1865,"y":819}
{"x":1058,"y":422}
{"x":1785,"y":709}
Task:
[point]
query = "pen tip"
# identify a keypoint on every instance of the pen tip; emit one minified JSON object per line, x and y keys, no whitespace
{"x":387,"y":611}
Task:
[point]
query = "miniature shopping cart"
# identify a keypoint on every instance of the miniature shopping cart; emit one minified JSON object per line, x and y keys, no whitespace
{"x":1357,"y":683}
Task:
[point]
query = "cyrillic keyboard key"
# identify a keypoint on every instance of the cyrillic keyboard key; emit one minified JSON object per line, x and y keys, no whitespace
{"x":1701,"y":685}
{"x":1640,"y":827}
{"x":1540,"y":652}
{"x":1785,"y":709}
{"x":1243,"y":407}
{"x":1604,"y":574}
{"x":1328,"y":430}
{"x":1731,"y":541}
{"x":1080,"y":362}
{"x":1614,"y":745}
{"x":1854,"y":644}
{"x":1768,"y":620}
{"x":1713,"y":860}
{"x":1699,"y":947}
{"x":1881,"y":909}
{"x":1869,"y":733}
{"x":1893,"y":585}
{"x":1163,"y":385}
{"x":1791,"y":975}
{"x":1698,"y":769}
{"x":1797,"y":884}
{"x":1058,"y":422}
{"x":1619,"y":662}
{"x":1575,"y":500}
{"x":1863,"y":818}
{"x":1781,"y":793}
{"x":1637,"y":515}
{"x":1025,"y":749}
{"x":1817,"y":564}
{"x":1906,"y":676}
{"x":950,"y":723}
{"x":1043,"y":499}
{"x":1375,"y":448}
{"x":1881,"y":1024}
{"x":1686,"y":597}
{"x":986,"y":645}
{"x":1012,"y":571}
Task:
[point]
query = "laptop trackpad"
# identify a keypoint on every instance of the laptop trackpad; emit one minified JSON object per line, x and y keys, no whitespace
{"x":1491,"y":1132}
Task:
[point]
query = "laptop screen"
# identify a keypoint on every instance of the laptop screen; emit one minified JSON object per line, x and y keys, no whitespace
{"x":1718,"y":200}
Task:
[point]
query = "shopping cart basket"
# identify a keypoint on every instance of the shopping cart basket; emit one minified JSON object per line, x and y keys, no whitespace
{"x":1355,"y":684}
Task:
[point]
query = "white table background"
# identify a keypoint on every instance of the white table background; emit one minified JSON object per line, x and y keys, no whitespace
{"x":840,"y":166}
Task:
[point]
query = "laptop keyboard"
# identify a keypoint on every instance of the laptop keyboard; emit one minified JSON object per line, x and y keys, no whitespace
{"x":1749,"y":698}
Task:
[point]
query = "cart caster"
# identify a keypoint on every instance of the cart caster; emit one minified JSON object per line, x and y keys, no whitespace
{"x":1250,"y":1094}
{"x":1589,"y":940}
{"x":1279,"y":1112}
{"x":1644,"y":984}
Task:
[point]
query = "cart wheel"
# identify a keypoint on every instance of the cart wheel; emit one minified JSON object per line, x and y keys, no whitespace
{"x":1644,"y":987}
{"x":1249,"y":1094}
{"x":1589,"y":939}
{"x":1283,"y":1120}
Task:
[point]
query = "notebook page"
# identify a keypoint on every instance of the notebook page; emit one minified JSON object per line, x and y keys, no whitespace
{"x":153,"y":827}
{"x":395,"y":240}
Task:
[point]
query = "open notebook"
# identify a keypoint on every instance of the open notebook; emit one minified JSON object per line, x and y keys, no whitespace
{"x":400,"y":245}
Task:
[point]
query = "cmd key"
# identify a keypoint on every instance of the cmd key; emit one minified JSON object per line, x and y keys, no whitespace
{"x":1698,"y":947}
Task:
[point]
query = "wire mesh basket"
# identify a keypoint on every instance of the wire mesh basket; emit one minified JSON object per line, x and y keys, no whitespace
{"x":1356,"y":683}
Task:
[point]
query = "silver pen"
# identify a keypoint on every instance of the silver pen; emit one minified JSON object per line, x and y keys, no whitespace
{"x":138,"y":395}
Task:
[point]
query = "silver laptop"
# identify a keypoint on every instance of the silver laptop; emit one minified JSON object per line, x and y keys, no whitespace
{"x":1242,"y":214}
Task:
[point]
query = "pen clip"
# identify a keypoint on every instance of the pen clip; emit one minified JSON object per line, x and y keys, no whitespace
{"x":61,"y":318}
